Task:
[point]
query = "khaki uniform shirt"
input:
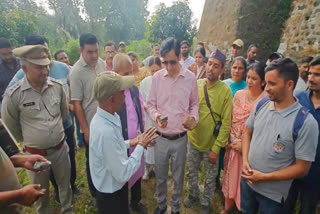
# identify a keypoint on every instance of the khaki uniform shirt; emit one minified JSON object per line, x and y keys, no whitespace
{"x":81,"y":81}
{"x":34,"y":118}
{"x":9,"y":181}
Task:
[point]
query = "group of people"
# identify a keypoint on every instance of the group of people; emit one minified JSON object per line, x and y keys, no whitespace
{"x":254,"y":126}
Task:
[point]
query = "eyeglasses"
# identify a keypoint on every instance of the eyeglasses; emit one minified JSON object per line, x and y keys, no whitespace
{"x":169,"y":62}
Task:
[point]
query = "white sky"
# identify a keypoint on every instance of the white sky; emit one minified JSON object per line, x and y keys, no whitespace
{"x":195,"y":5}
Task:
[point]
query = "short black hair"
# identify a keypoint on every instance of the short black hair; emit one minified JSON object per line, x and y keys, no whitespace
{"x":201,"y":43}
{"x":259,"y":68}
{"x":88,"y":39}
{"x":154,"y":60}
{"x":5,"y":43}
{"x":200,"y":50}
{"x":132,"y":54}
{"x":57,"y":53}
{"x":168,"y":45}
{"x":252,"y":46}
{"x":315,"y":62}
{"x":184,"y":42}
{"x":305,"y":59}
{"x":287,"y":69}
{"x":36,"y":40}
{"x":110,"y":43}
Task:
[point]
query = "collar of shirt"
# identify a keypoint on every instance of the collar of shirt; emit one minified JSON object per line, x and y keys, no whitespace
{"x":285,"y":112}
{"x":182,"y":72}
{"x":25,"y":85}
{"x":115,"y":119}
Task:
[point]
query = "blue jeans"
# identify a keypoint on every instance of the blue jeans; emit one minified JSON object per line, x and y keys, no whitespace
{"x":80,"y":136}
{"x":252,"y":201}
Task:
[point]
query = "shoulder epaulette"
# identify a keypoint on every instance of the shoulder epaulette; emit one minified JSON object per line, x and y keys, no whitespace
{"x":9,"y":91}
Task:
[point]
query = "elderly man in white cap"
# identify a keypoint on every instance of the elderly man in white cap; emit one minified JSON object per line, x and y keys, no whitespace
{"x":110,"y":166}
{"x":34,"y":110}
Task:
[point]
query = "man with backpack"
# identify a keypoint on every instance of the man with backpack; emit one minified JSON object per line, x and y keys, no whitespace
{"x":279,"y":143}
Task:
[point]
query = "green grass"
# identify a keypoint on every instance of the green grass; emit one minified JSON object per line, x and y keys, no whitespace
{"x":83,"y":203}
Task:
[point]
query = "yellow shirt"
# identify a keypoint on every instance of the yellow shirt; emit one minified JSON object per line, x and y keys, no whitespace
{"x":220,"y":97}
{"x":143,"y":73}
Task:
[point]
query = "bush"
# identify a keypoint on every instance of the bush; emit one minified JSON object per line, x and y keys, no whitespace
{"x":142,"y":48}
{"x":72,"y":49}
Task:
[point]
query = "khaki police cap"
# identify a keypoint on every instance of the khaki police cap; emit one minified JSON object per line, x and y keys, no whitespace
{"x":35,"y":54}
{"x":108,"y":83}
{"x":239,"y":43}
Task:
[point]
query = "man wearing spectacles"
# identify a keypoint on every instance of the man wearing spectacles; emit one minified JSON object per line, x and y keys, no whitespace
{"x":173,"y":105}
{"x":110,"y":51}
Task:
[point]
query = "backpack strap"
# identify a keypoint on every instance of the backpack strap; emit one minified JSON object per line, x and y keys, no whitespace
{"x":134,"y":91}
{"x":260,"y":104}
{"x":298,"y":123}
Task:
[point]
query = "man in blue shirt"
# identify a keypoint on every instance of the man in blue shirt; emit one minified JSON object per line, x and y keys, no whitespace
{"x":110,"y":166}
{"x":309,"y":186}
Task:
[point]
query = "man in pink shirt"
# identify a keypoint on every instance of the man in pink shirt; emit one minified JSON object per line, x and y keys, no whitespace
{"x":173,"y":104}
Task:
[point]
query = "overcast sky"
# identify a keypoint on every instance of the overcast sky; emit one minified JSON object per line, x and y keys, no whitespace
{"x":195,"y":5}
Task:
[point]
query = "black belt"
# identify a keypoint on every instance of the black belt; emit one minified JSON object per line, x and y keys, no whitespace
{"x":172,"y":137}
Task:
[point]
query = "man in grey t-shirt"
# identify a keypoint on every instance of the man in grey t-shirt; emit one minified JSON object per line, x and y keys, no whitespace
{"x":272,"y":158}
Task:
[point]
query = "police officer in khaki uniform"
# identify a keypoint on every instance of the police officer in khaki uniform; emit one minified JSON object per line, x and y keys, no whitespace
{"x":34,"y":110}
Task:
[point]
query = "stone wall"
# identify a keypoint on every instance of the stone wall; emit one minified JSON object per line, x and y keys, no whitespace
{"x":301,"y":35}
{"x":254,"y":21}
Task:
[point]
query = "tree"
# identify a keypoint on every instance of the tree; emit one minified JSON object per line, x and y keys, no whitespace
{"x":117,"y":20}
{"x":174,"y":21}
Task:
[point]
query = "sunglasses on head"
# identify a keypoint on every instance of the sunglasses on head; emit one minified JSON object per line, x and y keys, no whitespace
{"x":169,"y":62}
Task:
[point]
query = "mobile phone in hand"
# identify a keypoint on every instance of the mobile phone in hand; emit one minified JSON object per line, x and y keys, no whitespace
{"x":41,"y":165}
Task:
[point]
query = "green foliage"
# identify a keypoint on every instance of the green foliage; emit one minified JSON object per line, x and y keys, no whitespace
{"x":72,"y":49}
{"x":142,"y":48}
{"x":17,"y":24}
{"x":280,"y":12}
{"x":174,"y":21}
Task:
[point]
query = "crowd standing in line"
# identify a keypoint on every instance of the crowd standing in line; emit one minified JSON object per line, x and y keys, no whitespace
{"x":253,"y":125}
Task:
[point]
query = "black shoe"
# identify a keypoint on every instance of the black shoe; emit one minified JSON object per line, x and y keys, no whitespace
{"x":139,"y":208}
{"x":152,"y":174}
{"x":160,"y":211}
{"x":175,"y":212}
{"x":76,"y":192}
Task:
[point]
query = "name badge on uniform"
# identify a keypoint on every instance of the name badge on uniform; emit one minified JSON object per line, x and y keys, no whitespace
{"x":29,"y":104}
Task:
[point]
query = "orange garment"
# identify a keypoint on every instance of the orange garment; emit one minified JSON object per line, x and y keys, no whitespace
{"x":193,"y":69}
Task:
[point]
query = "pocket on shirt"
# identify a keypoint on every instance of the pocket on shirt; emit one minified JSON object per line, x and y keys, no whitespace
{"x":54,"y":106}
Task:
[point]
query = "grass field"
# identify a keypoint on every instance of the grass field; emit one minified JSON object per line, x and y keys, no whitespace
{"x":83,"y":203}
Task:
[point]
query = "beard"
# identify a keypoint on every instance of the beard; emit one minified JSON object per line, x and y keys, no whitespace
{"x":185,"y":54}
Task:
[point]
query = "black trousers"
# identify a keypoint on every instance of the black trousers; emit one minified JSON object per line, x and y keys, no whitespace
{"x":72,"y":155}
{"x":309,"y":197}
{"x":92,"y":189}
{"x":135,"y":192}
{"x":113,"y":203}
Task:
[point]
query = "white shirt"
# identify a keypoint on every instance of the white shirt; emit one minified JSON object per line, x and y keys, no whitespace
{"x":188,"y":62}
{"x":300,"y":87}
{"x":109,"y":163}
